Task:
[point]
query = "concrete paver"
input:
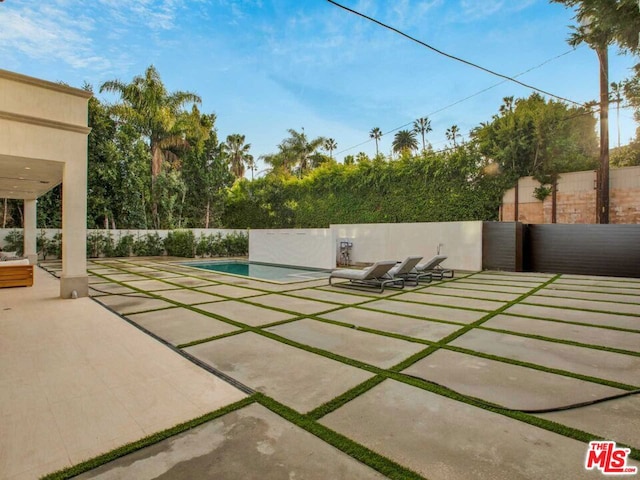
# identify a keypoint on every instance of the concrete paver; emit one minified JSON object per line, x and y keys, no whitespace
{"x":585,"y":304}
{"x":189,"y":297}
{"x":598,"y":283}
{"x":191,"y":282}
{"x":378,"y":350}
{"x":329,"y":296}
{"x":601,"y":288}
{"x":617,"y":420}
{"x":425,"y":296}
{"x":483,"y":286}
{"x":608,"y":297}
{"x":499,"y":282}
{"x":586,"y":361}
{"x":230,"y":291}
{"x":293,"y":304}
{"x":509,"y":278}
{"x":249,"y":443}
{"x":579,"y":316}
{"x":179,"y":325}
{"x":388,"y":322}
{"x":447,"y":440}
{"x":244,"y":313}
{"x":138,"y":302}
{"x":314,"y":381}
{"x":427,"y":311}
{"x":459,"y":292}
{"x":567,"y":331}
{"x":510,"y":386}
{"x":150,"y":285}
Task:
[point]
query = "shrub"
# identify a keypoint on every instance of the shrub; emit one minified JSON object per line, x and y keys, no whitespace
{"x":180,"y":243}
{"x":100,"y":244}
{"x":124,"y":247}
{"x":49,"y":246}
{"x":150,"y":244}
{"x":14,"y":242}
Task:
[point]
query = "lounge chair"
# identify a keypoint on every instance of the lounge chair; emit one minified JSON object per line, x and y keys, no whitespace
{"x":406,"y":270}
{"x":434,"y":268}
{"x":370,"y":277}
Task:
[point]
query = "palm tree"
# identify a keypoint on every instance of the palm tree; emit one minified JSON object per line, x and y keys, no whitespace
{"x":403,"y":141}
{"x":376,"y":134}
{"x":330,"y":145}
{"x":452,"y":134}
{"x":249,"y":160}
{"x":154,"y":113}
{"x":300,"y":149}
{"x":238,"y":152}
{"x":422,"y":125}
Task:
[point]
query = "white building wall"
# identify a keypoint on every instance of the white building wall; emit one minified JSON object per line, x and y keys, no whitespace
{"x":300,"y":247}
{"x":461,"y":241}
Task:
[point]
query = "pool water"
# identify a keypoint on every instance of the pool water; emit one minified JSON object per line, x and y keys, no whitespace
{"x":274,"y":273}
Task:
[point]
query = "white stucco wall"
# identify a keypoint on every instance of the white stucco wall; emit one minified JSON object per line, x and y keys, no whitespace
{"x":304,"y":247}
{"x":461,"y":241}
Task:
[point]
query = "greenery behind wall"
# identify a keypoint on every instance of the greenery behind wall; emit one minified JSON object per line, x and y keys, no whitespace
{"x":155,"y":161}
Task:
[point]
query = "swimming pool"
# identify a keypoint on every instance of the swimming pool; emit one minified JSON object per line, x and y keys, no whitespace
{"x":261,"y":271}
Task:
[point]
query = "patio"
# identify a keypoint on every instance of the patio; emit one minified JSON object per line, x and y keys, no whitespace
{"x":427,"y":382}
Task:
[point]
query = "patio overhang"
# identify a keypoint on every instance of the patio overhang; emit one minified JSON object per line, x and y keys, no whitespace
{"x":43,"y":143}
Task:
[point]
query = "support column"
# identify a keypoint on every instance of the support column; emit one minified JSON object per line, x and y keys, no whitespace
{"x":30,"y":231}
{"x":74,"y":227}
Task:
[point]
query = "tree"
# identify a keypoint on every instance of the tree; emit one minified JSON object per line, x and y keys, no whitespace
{"x":296,"y":152}
{"x":422,"y":125}
{"x":532,"y":136}
{"x":155,"y":114}
{"x":602,"y":23}
{"x":452,"y":133}
{"x":238,"y":152}
{"x":404,"y":141}
{"x":376,"y":134}
{"x":330,"y":145}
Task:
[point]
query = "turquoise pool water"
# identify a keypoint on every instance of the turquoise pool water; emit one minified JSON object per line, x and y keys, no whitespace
{"x":260,"y":271}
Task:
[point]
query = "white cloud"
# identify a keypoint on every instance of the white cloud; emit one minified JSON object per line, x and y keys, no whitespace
{"x":47,"y":31}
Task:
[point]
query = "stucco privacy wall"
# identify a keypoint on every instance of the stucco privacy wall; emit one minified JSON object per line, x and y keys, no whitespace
{"x":460,"y":241}
{"x":302,"y":247}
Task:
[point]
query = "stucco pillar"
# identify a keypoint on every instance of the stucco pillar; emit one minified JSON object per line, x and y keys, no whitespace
{"x":74,"y":227}
{"x":30,"y":232}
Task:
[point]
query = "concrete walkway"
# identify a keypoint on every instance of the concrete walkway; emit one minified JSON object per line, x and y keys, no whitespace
{"x":349,"y":381}
{"x":78,"y":381}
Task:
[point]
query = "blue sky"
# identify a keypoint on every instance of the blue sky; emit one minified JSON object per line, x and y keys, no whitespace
{"x":264,"y":66}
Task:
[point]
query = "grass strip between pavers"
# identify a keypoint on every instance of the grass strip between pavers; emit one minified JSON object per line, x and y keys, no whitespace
{"x":466,"y":328}
{"x":146,"y":441}
{"x":355,"y":450}
{"x":395,"y":373}
{"x":562,"y":341}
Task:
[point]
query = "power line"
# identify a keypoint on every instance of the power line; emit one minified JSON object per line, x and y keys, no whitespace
{"x":453,"y":57}
{"x":463,"y":99}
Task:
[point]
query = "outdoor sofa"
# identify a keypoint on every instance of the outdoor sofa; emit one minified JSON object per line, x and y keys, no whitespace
{"x":16,"y":273}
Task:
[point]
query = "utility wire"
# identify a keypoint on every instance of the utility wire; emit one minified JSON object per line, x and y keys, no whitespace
{"x":462,"y":99}
{"x":453,"y":57}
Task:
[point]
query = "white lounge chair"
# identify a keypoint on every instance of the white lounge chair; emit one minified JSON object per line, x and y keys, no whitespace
{"x":434,"y":268}
{"x":407,"y":271}
{"x":374,"y":276}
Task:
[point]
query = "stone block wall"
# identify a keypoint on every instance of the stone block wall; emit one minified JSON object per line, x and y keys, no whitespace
{"x":576,"y":199}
